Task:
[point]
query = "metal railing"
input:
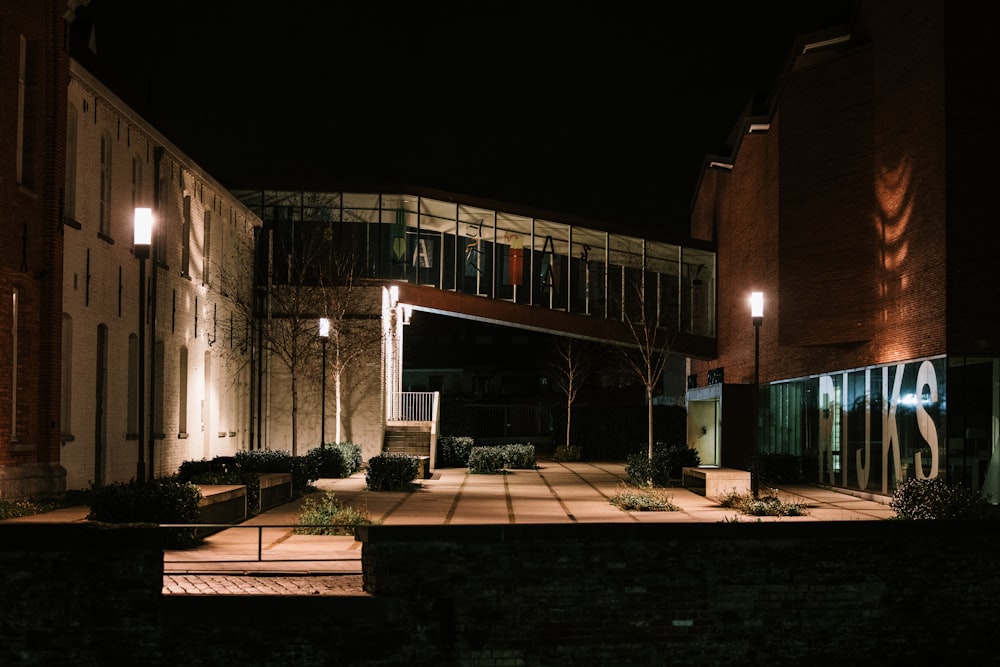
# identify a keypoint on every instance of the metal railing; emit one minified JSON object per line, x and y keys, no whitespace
{"x":415,"y":406}
{"x":239,"y":551}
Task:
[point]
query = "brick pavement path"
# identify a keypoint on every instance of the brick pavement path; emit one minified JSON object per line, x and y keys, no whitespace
{"x":240,"y":584}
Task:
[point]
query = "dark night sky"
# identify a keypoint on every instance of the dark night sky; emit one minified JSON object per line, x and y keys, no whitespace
{"x":601,"y":110}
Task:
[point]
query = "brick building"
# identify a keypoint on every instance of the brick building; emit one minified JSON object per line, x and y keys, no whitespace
{"x":33,"y":76}
{"x":192,"y":360}
{"x":855,"y":203}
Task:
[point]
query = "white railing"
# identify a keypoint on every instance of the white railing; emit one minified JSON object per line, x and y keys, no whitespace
{"x":413,"y":406}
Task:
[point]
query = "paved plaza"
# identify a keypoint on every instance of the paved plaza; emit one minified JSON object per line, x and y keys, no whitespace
{"x":265,"y":556}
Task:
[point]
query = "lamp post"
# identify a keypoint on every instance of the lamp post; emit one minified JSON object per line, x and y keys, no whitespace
{"x":757,"y":313}
{"x":142,"y":239}
{"x":324,"y":334}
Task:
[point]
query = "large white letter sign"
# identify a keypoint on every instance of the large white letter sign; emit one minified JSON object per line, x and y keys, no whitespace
{"x":890,"y":434}
{"x":926,"y":377}
{"x":827,"y":406}
{"x":865,"y":467}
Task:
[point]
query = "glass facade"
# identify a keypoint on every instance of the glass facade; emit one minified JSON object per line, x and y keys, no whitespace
{"x":496,"y":254}
{"x":867,"y":429}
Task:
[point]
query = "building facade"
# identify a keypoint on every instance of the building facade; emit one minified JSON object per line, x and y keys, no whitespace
{"x":856,"y":205}
{"x":33,"y":62}
{"x":146,"y":387}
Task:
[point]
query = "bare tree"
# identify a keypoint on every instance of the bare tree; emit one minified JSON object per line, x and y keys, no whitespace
{"x":573,"y":362}
{"x":648,"y":349}
{"x":301,"y":273}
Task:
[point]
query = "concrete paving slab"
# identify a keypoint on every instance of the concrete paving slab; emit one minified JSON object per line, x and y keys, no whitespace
{"x":251,"y":558}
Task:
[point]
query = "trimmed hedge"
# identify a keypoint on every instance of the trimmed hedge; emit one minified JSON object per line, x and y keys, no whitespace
{"x":666,"y":465}
{"x":391,"y":471}
{"x":337,"y":460}
{"x":164,"y":500}
{"x":493,"y":459}
{"x":454,"y":450}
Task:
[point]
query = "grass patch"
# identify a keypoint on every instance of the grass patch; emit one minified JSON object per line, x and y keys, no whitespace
{"x":646,"y":499}
{"x":328,"y":515}
{"x":768,"y":503}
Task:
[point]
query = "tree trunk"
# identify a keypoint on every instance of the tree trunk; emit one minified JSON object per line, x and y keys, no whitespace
{"x":649,"y":418}
{"x":569,"y":416}
{"x":337,"y":387}
{"x":295,"y":415}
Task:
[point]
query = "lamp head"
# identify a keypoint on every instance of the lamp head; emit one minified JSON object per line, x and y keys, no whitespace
{"x":324,"y":327}
{"x":143,"y":231}
{"x":757,"y":307}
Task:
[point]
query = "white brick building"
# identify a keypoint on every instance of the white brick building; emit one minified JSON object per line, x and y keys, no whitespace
{"x":194,"y":369}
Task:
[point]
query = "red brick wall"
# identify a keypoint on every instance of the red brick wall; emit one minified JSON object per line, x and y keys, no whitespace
{"x":31,"y":251}
{"x":837,"y":213}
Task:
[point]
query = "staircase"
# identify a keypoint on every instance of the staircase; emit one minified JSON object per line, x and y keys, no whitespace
{"x":412,"y":438}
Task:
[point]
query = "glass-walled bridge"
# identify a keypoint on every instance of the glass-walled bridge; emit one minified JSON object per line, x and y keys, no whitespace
{"x":504,"y":264}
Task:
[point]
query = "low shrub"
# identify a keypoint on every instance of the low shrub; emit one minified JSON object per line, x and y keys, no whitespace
{"x":220,"y":465}
{"x":454,"y":450}
{"x":765,"y":504}
{"x":518,"y":456}
{"x":328,"y":515}
{"x":163,"y":500}
{"x":496,"y":458}
{"x":568,"y":453}
{"x":487,"y":460}
{"x":11,"y":509}
{"x":666,"y":465}
{"x":304,"y":470}
{"x":937,"y":499}
{"x":337,"y":460}
{"x":391,"y":471}
{"x":644,"y":500}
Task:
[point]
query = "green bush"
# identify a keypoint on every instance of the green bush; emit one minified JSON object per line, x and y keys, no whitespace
{"x":328,"y":515}
{"x":644,"y":500}
{"x":454,"y":450}
{"x":765,"y":504}
{"x":568,"y":453}
{"x":391,"y":471}
{"x":164,"y":500}
{"x":518,"y":456}
{"x":495,"y":458}
{"x":936,"y":499}
{"x":667,"y":464}
{"x":303,"y":469}
{"x":11,"y":509}
{"x":336,"y":460}
{"x":487,"y":460}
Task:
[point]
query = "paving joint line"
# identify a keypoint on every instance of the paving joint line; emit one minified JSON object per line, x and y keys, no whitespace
{"x":454,"y":503}
{"x":555,"y":494}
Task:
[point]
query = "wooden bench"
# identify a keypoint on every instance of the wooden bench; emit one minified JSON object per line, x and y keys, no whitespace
{"x":222,"y":503}
{"x":716,"y":482}
{"x":275,"y":489}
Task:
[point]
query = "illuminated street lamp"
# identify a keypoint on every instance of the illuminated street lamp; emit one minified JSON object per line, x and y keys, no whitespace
{"x":757,"y":313}
{"x":142,"y":239}
{"x":324,"y":334}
